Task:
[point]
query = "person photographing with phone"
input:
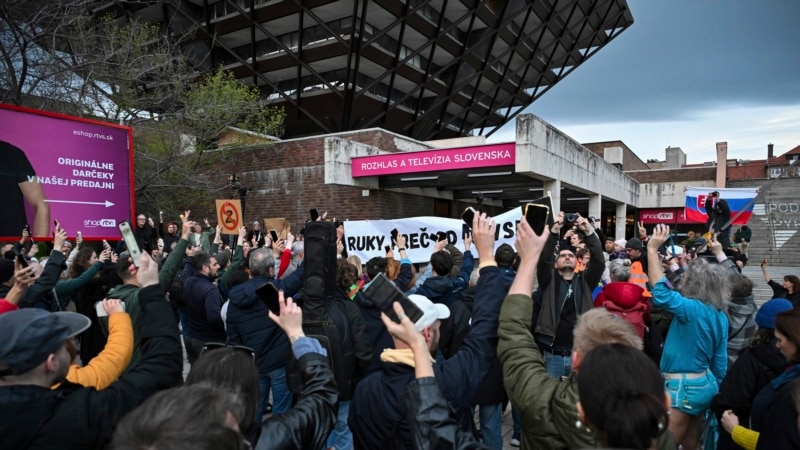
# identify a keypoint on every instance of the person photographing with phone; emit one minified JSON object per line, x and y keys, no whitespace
{"x":564,"y":293}
{"x":377,"y":414}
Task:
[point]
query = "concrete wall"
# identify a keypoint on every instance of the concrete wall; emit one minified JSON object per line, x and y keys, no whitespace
{"x":546,"y":153}
{"x":288,"y":178}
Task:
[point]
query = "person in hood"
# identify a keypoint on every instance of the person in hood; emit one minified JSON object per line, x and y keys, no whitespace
{"x":248,"y":324}
{"x":741,"y":316}
{"x":624,"y":298}
{"x":757,"y":365}
{"x":441,"y":287}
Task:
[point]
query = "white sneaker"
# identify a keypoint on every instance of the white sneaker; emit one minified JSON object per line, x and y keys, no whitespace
{"x":515,"y":442}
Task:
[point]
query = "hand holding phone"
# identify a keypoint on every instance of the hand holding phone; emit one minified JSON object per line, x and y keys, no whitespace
{"x":468,"y":216}
{"x":268,"y":293}
{"x":536,"y":216}
{"x":763,"y":264}
{"x":106,"y":307}
{"x":383,"y":293}
{"x":130,"y":241}
{"x":23,"y":263}
{"x":274,"y":235}
{"x":314,"y":214}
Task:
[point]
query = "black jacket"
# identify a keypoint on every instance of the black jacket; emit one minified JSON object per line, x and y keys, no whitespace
{"x":76,"y":417}
{"x":249,"y":323}
{"x":308,"y":423}
{"x":431,"y":424}
{"x":203,"y":305}
{"x":379,"y":337}
{"x":778,"y":423}
{"x":583,"y":282}
{"x":377,"y":417}
{"x":755,"y":367}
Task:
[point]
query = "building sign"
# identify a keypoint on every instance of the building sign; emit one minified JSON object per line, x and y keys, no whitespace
{"x":79,"y":169}
{"x":669,"y":216}
{"x":435,"y":160}
{"x":653,"y":216}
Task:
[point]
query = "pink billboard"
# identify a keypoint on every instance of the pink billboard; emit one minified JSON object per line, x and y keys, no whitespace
{"x":56,"y":167}
{"x":434,"y":160}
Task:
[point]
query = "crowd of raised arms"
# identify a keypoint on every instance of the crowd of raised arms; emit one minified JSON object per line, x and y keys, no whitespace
{"x":588,"y":340}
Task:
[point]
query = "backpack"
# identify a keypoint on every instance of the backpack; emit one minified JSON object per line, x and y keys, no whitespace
{"x":175,"y":291}
{"x":324,"y":316}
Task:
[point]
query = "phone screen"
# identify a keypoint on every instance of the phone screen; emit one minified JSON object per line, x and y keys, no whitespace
{"x":383,"y":293}
{"x":536,"y":216}
{"x":130,"y":242}
{"x":268,"y":294}
{"x":274,"y":234}
{"x":314,"y":214}
{"x":101,"y":312}
{"x":394,"y":235}
{"x":468,"y":216}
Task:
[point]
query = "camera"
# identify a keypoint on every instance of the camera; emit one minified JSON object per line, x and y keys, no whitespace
{"x":571,"y":217}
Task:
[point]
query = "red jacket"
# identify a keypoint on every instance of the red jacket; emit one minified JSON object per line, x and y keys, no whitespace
{"x":6,"y":306}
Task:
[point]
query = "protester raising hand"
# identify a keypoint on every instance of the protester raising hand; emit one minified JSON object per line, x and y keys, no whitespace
{"x":147,"y":274}
{"x":290,"y":319}
{"x":407,"y":332}
{"x":483,"y":232}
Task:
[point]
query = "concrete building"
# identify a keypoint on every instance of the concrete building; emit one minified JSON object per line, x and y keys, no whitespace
{"x":426,"y":69}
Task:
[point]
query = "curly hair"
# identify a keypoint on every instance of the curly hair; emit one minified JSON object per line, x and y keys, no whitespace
{"x":708,"y":283}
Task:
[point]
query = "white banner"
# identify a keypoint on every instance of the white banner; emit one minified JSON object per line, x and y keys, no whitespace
{"x":367,"y":238}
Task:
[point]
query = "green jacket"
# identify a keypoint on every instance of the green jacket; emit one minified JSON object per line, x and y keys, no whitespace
{"x":547,"y":407}
{"x":129,"y":293}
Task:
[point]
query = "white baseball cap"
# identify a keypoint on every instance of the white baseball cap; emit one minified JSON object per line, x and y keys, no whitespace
{"x":431,"y":312}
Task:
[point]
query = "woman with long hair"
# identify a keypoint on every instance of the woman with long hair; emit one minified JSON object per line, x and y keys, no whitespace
{"x":101,"y":278}
{"x":695,"y":355}
{"x":774,"y":412}
{"x":789,"y":289}
{"x":757,"y":365}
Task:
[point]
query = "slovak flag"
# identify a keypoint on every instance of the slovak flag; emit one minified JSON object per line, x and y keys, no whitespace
{"x":737,"y":199}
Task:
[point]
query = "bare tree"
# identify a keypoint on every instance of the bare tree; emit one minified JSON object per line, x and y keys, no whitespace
{"x":75,"y":57}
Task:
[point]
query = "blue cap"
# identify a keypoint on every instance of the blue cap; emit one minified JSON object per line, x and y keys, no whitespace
{"x":29,"y":335}
{"x":765,"y":317}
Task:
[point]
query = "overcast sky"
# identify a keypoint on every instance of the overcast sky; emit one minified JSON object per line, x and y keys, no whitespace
{"x":687,"y":73}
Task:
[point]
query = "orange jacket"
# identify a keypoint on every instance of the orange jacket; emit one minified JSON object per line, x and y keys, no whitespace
{"x":106,"y":367}
{"x":639,"y":278}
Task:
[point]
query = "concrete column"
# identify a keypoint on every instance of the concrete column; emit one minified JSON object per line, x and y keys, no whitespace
{"x":595,"y":203}
{"x":619,"y":230}
{"x":554,"y":188}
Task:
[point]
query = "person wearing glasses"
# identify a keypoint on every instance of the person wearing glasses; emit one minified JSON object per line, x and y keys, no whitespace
{"x":565,"y":294}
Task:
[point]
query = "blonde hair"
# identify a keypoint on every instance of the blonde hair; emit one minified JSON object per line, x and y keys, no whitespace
{"x":356,"y":261}
{"x":597,"y":327}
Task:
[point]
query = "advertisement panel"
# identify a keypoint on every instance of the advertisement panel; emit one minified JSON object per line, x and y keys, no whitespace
{"x":57,"y":167}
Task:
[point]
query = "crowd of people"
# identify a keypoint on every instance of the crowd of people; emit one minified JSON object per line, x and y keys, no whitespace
{"x":590,"y":341}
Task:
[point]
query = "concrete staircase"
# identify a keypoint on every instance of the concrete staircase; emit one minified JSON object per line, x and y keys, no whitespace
{"x":775,"y":224}
{"x":761,"y":290}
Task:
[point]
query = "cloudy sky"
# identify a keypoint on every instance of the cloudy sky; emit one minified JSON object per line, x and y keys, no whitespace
{"x":688,"y":73}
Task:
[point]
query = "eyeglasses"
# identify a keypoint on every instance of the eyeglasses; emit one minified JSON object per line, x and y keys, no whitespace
{"x":238,"y":348}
